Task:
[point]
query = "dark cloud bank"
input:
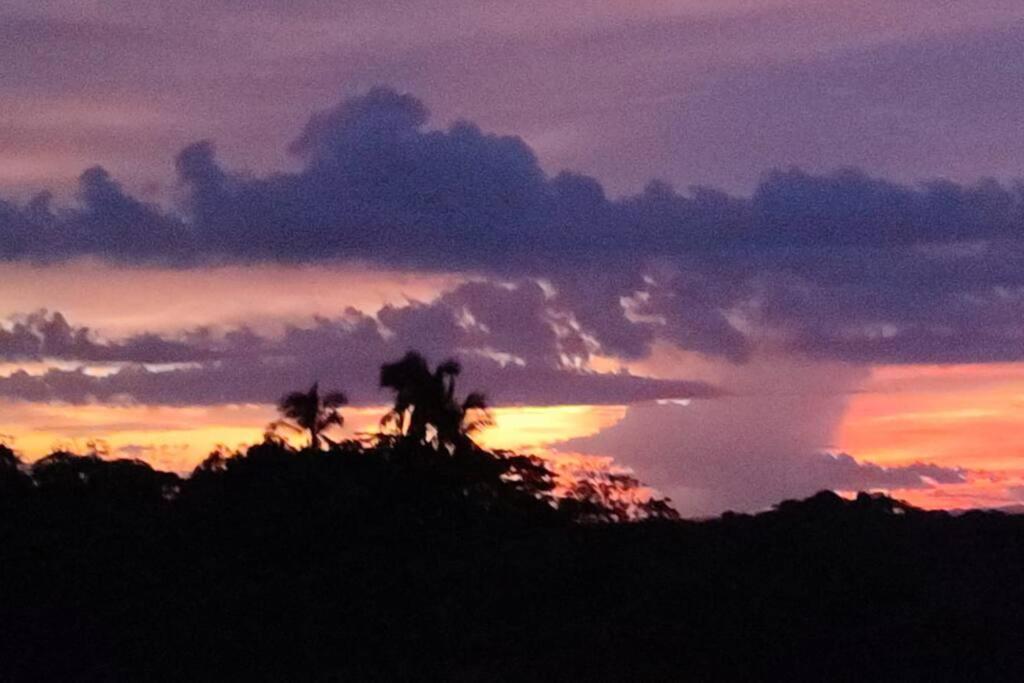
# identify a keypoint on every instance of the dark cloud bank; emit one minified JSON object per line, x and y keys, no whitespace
{"x":839,"y":266}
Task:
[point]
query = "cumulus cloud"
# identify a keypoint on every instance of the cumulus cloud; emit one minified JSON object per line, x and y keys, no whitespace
{"x":836,"y":266}
{"x":769,"y":437}
{"x":742,"y":466}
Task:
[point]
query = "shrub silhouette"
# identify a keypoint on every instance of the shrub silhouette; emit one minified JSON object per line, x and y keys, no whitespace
{"x":613,"y":497}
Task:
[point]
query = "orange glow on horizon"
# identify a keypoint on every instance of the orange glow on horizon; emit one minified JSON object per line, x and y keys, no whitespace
{"x":178,"y":438}
{"x":537,"y":427}
{"x":965,"y":416}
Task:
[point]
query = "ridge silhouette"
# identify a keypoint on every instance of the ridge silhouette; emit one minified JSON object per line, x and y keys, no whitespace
{"x":419,"y":555}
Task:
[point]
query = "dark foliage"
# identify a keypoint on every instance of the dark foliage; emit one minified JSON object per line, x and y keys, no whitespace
{"x":310,"y":411}
{"x":399,"y":561}
{"x":425,"y":400}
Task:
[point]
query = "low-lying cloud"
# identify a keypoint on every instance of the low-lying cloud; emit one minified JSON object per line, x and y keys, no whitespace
{"x":513,"y":339}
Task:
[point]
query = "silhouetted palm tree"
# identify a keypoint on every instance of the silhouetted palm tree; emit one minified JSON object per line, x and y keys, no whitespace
{"x":309,"y":411}
{"x":425,"y":399}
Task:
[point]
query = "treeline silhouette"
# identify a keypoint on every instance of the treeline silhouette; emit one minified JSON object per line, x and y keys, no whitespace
{"x":418,"y":555}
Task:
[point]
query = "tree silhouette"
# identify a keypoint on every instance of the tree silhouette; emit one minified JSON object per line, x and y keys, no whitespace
{"x":425,"y":399}
{"x":309,"y":411}
{"x":13,"y":479}
{"x":63,"y":474}
{"x":9,"y":460}
{"x":612,"y":497}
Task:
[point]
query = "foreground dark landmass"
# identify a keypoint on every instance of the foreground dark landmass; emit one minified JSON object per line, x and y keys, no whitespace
{"x":402,"y":562}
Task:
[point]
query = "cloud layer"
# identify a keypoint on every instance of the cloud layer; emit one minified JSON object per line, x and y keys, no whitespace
{"x":838,"y":266}
{"x":514,"y":341}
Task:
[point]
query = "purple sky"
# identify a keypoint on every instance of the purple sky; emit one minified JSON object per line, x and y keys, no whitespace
{"x":711,"y":93}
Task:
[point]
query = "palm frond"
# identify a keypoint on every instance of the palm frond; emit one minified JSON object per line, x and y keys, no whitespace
{"x":475,"y":401}
{"x":411,"y":369}
{"x":333,"y":419}
{"x":450,"y":367}
{"x":287,"y":425}
{"x":293,"y":401}
{"x":393,"y":417}
{"x":477,"y":425}
{"x":335,"y":399}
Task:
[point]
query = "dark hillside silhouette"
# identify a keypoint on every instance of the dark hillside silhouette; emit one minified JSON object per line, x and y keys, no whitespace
{"x":421,"y":556}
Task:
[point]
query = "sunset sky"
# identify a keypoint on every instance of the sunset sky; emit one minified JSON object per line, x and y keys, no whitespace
{"x":746,"y":249}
